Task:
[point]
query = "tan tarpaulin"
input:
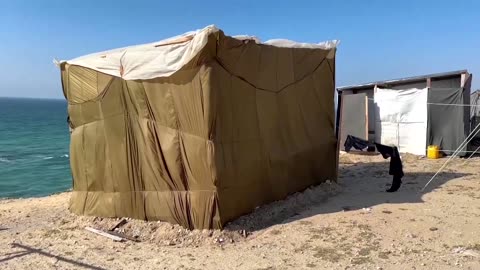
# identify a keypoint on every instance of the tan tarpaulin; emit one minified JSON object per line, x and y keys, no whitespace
{"x":242,"y":124}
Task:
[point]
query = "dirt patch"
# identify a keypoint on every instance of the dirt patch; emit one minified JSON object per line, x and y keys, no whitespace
{"x":354,"y":224}
{"x":327,"y":254}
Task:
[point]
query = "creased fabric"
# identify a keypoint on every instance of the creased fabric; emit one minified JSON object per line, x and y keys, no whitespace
{"x":448,"y":124}
{"x":165,"y":57}
{"x":240,"y":125}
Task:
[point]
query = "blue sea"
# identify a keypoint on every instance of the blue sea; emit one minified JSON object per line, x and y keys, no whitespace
{"x":34,"y":143}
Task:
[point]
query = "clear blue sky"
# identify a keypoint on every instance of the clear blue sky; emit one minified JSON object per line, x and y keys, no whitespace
{"x":379,"y":39}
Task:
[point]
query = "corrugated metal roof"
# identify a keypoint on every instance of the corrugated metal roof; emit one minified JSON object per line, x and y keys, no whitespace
{"x":404,"y":80}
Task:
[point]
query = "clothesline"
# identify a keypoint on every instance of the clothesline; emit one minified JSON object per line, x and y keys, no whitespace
{"x":463,"y":151}
{"x":442,"y":104}
{"x":463,"y":144}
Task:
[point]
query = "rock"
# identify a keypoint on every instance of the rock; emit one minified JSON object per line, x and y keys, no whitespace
{"x":410,"y":235}
{"x":110,"y":259}
{"x":168,"y":243}
{"x":433,"y":229}
{"x":367,"y":210}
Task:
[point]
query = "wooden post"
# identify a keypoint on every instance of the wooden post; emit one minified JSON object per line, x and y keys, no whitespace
{"x":118,"y":224}
{"x":463,"y":79}
{"x":339,"y":135}
{"x":374,"y":115}
{"x":366,"y":117}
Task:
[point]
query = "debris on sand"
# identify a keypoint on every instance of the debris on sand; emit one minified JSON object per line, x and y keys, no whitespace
{"x":465,"y":252}
{"x":105,"y":234}
{"x":367,"y":210}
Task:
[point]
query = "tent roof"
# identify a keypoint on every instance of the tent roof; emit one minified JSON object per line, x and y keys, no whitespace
{"x":165,"y":57}
{"x":404,"y":80}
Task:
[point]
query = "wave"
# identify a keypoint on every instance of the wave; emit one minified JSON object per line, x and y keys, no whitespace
{"x":45,"y":157}
{"x":50,"y":157}
{"x":5,"y":160}
{"x":22,"y":158}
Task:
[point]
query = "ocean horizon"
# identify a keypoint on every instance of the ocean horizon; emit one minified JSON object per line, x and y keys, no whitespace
{"x":34,"y":147}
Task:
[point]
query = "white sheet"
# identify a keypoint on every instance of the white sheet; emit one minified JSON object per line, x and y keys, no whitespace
{"x":165,"y":57}
{"x":401,"y":119}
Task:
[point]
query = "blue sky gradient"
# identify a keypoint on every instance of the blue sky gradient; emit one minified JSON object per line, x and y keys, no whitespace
{"x":379,"y":39}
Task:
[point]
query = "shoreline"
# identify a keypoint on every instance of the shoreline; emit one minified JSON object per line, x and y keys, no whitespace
{"x":2,"y":199}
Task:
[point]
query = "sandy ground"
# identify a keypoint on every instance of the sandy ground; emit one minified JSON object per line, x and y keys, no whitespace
{"x":352,"y":225}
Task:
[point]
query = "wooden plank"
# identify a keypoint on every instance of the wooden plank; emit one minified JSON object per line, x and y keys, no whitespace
{"x":105,"y":234}
{"x":353,"y":120}
{"x":177,"y":41}
{"x":118,"y":224}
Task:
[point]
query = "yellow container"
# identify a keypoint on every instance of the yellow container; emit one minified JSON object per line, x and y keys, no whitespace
{"x":433,"y":152}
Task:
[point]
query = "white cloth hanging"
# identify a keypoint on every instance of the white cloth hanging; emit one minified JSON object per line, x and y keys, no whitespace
{"x":401,"y":119}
